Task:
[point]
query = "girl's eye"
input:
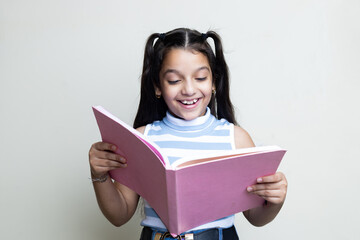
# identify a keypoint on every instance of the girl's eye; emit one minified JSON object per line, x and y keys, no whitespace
{"x":171,"y":82}
{"x":201,"y":79}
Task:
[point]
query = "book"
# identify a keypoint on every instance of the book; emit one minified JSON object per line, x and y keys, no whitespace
{"x":191,"y":191}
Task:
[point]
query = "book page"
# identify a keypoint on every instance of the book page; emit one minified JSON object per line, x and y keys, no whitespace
{"x":154,"y":148}
{"x":202,"y":160}
{"x":185,"y":162}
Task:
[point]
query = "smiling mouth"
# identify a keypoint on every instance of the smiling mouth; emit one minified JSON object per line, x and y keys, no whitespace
{"x":189,"y":102}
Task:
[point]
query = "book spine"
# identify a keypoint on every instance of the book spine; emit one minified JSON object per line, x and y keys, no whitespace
{"x":172,"y":201}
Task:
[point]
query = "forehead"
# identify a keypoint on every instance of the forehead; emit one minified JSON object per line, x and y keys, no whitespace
{"x":184,"y":60}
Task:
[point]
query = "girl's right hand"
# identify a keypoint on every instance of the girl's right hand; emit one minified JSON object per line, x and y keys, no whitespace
{"x":103,"y":159}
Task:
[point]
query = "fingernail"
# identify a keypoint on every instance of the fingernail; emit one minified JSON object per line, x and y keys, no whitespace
{"x":259,"y":180}
{"x":113,"y":147}
{"x":249,"y":189}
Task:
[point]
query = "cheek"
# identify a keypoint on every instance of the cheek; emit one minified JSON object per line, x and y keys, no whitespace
{"x":168,"y":95}
{"x":207,"y":90}
{"x":170,"y":91}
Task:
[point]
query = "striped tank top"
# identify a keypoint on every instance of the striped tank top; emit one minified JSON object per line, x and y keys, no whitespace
{"x":178,"y":138}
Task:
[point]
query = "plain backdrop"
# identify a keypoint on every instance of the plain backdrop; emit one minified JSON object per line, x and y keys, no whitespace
{"x":295,"y":72}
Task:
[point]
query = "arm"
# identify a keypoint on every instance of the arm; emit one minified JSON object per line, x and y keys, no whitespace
{"x":272,"y":188}
{"x":116,"y":201}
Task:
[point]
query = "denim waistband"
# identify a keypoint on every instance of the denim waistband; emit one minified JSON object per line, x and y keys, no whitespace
{"x":203,"y":234}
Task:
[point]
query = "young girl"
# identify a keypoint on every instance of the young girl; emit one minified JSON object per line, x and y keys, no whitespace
{"x":184,"y":108}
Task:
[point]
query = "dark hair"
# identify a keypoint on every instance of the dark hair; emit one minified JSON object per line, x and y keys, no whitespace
{"x":151,"y":108}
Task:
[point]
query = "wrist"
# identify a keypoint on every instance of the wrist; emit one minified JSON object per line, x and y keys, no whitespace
{"x":99,"y":178}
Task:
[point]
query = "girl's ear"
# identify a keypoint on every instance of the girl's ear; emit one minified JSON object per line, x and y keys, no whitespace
{"x":157,"y":92}
{"x":213,"y":90}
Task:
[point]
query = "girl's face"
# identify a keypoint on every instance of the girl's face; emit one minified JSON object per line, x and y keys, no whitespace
{"x":186,"y":83}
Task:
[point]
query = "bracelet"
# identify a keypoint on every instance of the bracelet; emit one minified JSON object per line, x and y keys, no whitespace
{"x":100,"y":179}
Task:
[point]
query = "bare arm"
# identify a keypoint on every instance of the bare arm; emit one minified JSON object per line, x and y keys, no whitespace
{"x":272,"y":188}
{"x":116,"y":201}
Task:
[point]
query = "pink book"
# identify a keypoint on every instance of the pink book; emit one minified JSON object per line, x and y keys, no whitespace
{"x":190,"y":192}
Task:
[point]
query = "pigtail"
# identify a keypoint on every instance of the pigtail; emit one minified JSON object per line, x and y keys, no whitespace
{"x":224,"y":107}
{"x":150,"y":108}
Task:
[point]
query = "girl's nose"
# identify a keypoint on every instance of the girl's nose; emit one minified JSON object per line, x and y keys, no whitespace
{"x":188,"y":88}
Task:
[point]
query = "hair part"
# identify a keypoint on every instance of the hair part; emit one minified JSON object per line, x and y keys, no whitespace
{"x":151,"y":108}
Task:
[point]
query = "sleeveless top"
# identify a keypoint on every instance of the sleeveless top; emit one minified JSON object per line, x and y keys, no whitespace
{"x":179,"y":138}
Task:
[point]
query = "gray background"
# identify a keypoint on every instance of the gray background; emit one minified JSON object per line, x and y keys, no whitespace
{"x":294,"y":81}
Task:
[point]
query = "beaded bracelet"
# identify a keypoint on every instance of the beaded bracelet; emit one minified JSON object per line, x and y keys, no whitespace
{"x":100,"y":179}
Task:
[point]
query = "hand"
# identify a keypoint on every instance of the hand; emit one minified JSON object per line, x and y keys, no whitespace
{"x":103,"y":159}
{"x":272,"y":188}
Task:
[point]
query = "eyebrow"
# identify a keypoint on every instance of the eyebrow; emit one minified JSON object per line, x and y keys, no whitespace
{"x":178,"y":73}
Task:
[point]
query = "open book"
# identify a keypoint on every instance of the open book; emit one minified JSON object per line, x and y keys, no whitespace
{"x":190,"y":192}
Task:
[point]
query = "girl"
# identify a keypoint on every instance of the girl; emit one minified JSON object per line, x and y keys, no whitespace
{"x":184,"y":108}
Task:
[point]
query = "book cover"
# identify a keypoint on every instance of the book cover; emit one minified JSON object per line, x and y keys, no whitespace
{"x":193,"y":191}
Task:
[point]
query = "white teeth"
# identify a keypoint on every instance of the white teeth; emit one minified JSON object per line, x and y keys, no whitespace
{"x":189,"y":102}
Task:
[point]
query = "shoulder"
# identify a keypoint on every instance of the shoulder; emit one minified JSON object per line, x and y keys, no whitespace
{"x":141,"y":129}
{"x":242,"y":138}
{"x":150,"y":126}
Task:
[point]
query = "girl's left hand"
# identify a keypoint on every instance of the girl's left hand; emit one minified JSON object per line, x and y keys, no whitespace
{"x":272,"y":188}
